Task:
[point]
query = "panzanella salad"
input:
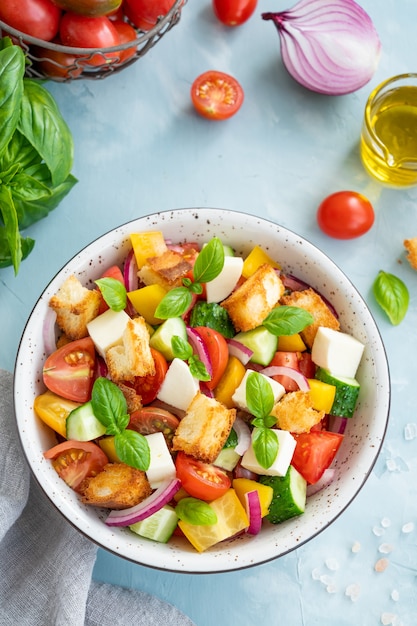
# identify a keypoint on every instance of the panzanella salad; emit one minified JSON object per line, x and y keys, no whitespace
{"x":195,"y":392}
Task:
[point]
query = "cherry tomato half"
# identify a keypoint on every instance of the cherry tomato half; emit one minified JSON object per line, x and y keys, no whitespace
{"x":76,"y":460}
{"x":315,"y":452}
{"x":345,"y":215}
{"x":218,"y":353}
{"x":147,"y":387}
{"x":69,"y":371}
{"x":92,"y":8}
{"x":201,"y":480}
{"x":38,"y":18}
{"x":80,"y":31}
{"x":283,"y":358}
{"x":234,"y":12}
{"x":153,"y":419}
{"x":216,"y":95}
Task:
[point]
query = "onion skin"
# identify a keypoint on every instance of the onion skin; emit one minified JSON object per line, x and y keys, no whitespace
{"x":328,"y":46}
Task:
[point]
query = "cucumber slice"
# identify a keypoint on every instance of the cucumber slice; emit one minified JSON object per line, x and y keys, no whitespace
{"x":289,"y":497}
{"x":82,"y":424}
{"x":158,"y":526}
{"x":227,"y":459}
{"x":263,"y":344}
{"x":347,"y":392}
{"x":162,"y":337}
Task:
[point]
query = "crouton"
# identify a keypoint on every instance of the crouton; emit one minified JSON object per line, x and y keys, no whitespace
{"x":295,"y":412}
{"x":203,"y":430}
{"x":117,"y":486}
{"x":311,"y":301}
{"x":166,"y":270}
{"x":411,"y":246}
{"x":250,"y":303}
{"x":134,"y":357}
{"x":75,"y":306}
{"x":133,"y":399}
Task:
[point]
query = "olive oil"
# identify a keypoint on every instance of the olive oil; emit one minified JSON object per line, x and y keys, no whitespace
{"x":389,"y":136}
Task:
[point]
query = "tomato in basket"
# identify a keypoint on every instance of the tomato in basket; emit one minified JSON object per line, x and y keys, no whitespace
{"x":38,"y":18}
{"x":79,"y":31}
{"x":92,"y":8}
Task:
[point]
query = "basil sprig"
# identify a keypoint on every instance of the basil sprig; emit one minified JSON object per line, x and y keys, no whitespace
{"x":287,"y":320}
{"x":260,"y":402}
{"x":392,"y":296}
{"x":196,"y":512}
{"x":110,"y":408}
{"x":208,"y":264}
{"x":113,"y":292}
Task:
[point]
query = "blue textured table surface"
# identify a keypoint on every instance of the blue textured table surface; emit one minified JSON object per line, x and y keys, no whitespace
{"x":140,"y":148}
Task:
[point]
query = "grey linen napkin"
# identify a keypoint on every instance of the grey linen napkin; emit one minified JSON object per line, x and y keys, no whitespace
{"x":45,"y":564}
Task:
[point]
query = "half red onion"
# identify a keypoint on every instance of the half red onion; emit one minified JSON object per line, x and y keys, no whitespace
{"x":241,"y":352}
{"x":282,"y":370}
{"x":253,"y":509}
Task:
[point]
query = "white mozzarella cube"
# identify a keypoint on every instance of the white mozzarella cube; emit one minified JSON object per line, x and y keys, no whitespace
{"x":286,"y":447}
{"x":106,"y":330}
{"x":161,"y":466}
{"x":179,"y":385}
{"x":222,"y":286}
{"x":337,"y":352}
{"x":239,"y":396}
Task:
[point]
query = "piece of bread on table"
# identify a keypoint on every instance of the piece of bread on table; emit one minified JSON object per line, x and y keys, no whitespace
{"x":295,"y":412}
{"x":204,"y":429}
{"x":117,"y":486}
{"x":166,"y":270}
{"x":312,"y":302}
{"x":411,"y":246}
{"x":75,"y":306}
{"x":133,"y":357}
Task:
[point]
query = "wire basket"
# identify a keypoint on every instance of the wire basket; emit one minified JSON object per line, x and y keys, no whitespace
{"x":106,"y":61}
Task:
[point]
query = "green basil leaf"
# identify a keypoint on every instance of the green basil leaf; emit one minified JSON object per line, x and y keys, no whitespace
{"x":265,"y":446}
{"x":27,"y":188}
{"x":174,"y":304}
{"x":196,"y":288}
{"x":196,"y":512}
{"x":209,"y":262}
{"x":287,"y":320}
{"x":133,"y":449}
{"x":181,"y":349}
{"x":198,"y":369}
{"x":19,"y":150}
{"x":113,"y":292}
{"x":392,"y":295}
{"x":11,"y":227}
{"x":6,"y":260}
{"x":259,"y":395}
{"x":12,"y":69}
{"x":109,"y":405}
{"x":232,"y":440}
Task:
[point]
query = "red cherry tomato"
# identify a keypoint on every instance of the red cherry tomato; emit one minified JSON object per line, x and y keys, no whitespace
{"x":76,"y":460}
{"x":92,"y":8}
{"x":148,"y":386}
{"x":126,"y":33}
{"x":153,"y":419}
{"x":218,"y":353}
{"x":216,"y":95}
{"x":145,"y":13}
{"x":201,"y":480}
{"x":79,"y":31}
{"x":286,"y":359}
{"x":58,"y":64}
{"x":315,"y":452}
{"x":234,"y":12}
{"x":69,"y":371}
{"x":345,"y":215}
{"x":38,"y":18}
{"x":112,"y":272}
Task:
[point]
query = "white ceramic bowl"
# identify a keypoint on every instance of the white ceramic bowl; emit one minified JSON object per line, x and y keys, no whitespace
{"x":364,"y":433}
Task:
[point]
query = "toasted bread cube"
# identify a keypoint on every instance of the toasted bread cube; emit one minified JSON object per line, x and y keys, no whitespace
{"x":75,"y":306}
{"x":117,"y":486}
{"x":311,"y":301}
{"x":166,"y":270}
{"x":134,"y":357}
{"x":203,"y":430}
{"x":295,"y":412}
{"x":411,"y":246}
{"x":250,"y":303}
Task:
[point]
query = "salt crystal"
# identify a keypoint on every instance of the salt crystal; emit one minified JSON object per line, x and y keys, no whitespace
{"x":395,"y":595}
{"x":385,"y":548}
{"x":331,"y":588}
{"x":332,"y":564}
{"x":391,"y":465}
{"x":315,"y":574}
{"x":378,"y":531}
{"x":353,"y":591}
{"x":390,"y":619}
{"x":356,"y":547}
{"x":326,"y":580}
{"x":381,"y":565}
{"x":385,"y":522}
{"x":408,"y":528}
{"x":410,"y":431}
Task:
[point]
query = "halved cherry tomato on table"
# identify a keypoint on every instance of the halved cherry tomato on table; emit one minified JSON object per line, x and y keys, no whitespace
{"x":234,"y":12}
{"x":345,"y":215}
{"x":148,"y":386}
{"x":38,"y":18}
{"x":286,"y":359}
{"x":92,"y":8}
{"x":69,"y":371}
{"x":218,"y":353}
{"x":201,"y":480}
{"x":79,"y":31}
{"x":153,"y":419}
{"x":315,"y":452}
{"x":145,"y":13}
{"x":76,"y":460}
{"x":216,"y":95}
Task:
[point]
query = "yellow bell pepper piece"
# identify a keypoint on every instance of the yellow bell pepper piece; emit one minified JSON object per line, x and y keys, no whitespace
{"x":146,"y":245}
{"x":265,"y":492}
{"x":291,"y":343}
{"x":54,"y":410}
{"x":145,"y":300}
{"x":255,"y":259}
{"x":109,"y":449}
{"x":322,"y":395}
{"x":231,"y":379}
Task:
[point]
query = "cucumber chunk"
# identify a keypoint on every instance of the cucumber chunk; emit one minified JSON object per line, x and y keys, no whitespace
{"x":82,"y":424}
{"x":227,"y":459}
{"x":162,"y":337}
{"x":289,"y":497}
{"x":347,"y":392}
{"x":213,"y":316}
{"x":263,"y":344}
{"x":159,"y":526}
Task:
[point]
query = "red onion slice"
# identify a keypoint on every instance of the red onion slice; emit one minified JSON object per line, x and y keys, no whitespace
{"x":282,"y":370}
{"x":145,"y":509}
{"x":240,"y":351}
{"x":48,"y":332}
{"x":337,"y":424}
{"x":253,"y":508}
{"x":323,"y":482}
{"x":130,"y":272}
{"x":243,"y":436}
{"x":200,"y":349}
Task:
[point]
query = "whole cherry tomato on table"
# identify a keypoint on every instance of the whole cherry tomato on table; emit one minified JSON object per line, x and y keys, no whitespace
{"x":38,"y":18}
{"x":216,"y":95}
{"x":234,"y":12}
{"x":79,"y":31}
{"x":92,"y":8}
{"x":345,"y":215}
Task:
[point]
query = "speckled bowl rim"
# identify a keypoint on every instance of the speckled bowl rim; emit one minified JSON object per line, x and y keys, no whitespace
{"x":364,"y":434}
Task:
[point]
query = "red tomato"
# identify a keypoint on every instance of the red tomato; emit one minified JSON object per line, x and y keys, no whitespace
{"x":234,"y":12}
{"x":145,"y":13}
{"x":148,"y":386}
{"x":216,"y":95}
{"x":315,"y":452}
{"x":58,"y":64}
{"x":306,"y":364}
{"x":38,"y":18}
{"x":286,"y":359}
{"x":218,"y":353}
{"x":75,"y":460}
{"x":112,"y":272}
{"x":153,"y":419}
{"x":69,"y":371}
{"x":79,"y":31}
{"x":126,"y":33}
{"x":345,"y":215}
{"x":201,"y":480}
{"x":92,"y":8}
